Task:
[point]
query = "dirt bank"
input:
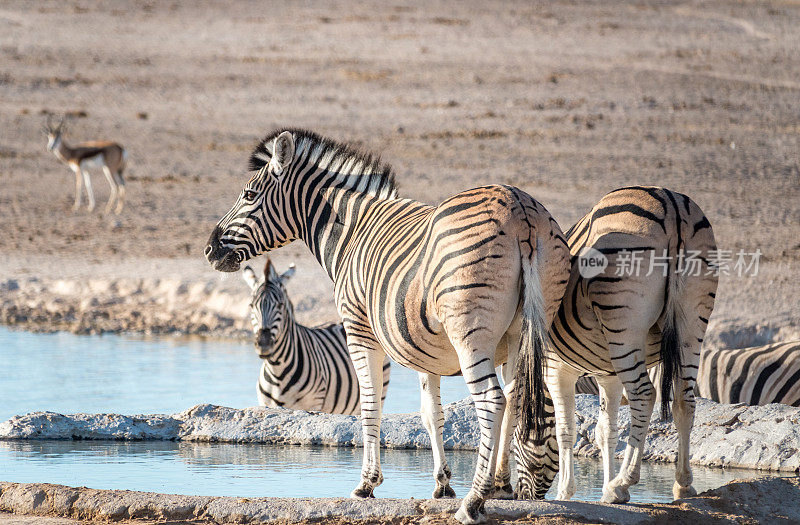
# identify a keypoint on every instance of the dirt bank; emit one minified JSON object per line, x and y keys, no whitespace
{"x":760,"y":500}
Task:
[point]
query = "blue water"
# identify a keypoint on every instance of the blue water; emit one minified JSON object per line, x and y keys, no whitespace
{"x":280,"y":471}
{"x":131,"y":375}
{"x":67,"y":373}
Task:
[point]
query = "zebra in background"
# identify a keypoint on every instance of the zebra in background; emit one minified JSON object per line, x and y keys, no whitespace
{"x":304,"y":368}
{"x":615,"y":325}
{"x":755,"y":376}
{"x":458,"y":288}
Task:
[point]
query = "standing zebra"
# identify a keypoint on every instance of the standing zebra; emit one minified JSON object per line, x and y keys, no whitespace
{"x":304,"y":368}
{"x":461,"y":287}
{"x":755,"y":376}
{"x":618,"y":321}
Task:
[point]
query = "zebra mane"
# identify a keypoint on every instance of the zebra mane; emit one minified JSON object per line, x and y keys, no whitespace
{"x":350,"y":166}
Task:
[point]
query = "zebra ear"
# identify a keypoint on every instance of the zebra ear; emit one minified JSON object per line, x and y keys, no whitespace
{"x":250,"y":277}
{"x":282,"y":152}
{"x":269,"y":271}
{"x":285,"y":276}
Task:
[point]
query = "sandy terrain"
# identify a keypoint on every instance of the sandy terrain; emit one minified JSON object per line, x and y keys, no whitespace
{"x":567,"y":100}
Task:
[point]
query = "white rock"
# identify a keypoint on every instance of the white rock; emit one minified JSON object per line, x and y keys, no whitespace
{"x":766,"y":437}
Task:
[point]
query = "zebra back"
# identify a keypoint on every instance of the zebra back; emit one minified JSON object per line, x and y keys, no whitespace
{"x":754,"y":376}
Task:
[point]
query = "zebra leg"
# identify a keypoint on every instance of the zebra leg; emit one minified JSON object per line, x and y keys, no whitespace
{"x":561,"y":384}
{"x":683,"y":402}
{"x":490,"y":403}
{"x":605,"y":432}
{"x":368,"y":358}
{"x":683,"y":414}
{"x":502,"y":476}
{"x":641,"y":397}
{"x":433,"y":421}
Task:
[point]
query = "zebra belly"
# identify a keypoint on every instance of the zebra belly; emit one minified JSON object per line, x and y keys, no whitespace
{"x":440,"y":359}
{"x":594,"y":357}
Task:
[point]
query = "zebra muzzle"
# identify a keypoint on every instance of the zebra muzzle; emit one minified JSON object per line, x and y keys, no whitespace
{"x":221,"y":258}
{"x":263,"y":340}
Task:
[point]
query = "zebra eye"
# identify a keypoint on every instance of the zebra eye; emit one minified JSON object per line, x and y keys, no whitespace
{"x":250,"y":196}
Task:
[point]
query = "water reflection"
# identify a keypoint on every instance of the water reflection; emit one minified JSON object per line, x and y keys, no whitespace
{"x":280,"y":471}
{"x":68,"y":373}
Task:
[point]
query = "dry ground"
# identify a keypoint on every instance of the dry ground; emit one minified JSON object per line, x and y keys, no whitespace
{"x":566,"y":99}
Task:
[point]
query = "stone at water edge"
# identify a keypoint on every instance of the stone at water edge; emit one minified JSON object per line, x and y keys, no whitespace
{"x":766,"y":437}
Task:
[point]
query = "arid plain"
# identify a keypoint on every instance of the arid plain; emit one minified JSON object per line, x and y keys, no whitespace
{"x":567,"y":100}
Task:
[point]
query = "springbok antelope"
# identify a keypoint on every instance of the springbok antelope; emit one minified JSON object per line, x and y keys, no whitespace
{"x":83,"y":158}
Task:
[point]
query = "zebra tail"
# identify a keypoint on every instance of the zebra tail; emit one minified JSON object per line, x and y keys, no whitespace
{"x":529,"y":375}
{"x":671,"y":343}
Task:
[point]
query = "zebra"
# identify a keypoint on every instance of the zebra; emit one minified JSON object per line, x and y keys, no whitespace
{"x":304,"y":368}
{"x":615,"y":325}
{"x":755,"y":376}
{"x":457,"y":288}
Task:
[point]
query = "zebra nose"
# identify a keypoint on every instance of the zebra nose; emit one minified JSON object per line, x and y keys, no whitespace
{"x":212,"y":245}
{"x":264,"y":338}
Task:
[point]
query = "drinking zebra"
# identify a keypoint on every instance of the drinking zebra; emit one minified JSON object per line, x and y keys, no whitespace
{"x":304,"y":368}
{"x":754,"y":376}
{"x":617,"y":320}
{"x":461,"y":287}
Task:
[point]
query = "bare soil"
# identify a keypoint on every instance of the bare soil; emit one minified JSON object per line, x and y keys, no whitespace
{"x":567,"y":100}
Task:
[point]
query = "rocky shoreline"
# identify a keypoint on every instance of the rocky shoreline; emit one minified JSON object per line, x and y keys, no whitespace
{"x":208,"y":307}
{"x":729,"y":436}
{"x":759,"y":500}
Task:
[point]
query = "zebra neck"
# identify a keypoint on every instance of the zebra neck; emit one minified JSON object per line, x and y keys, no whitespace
{"x":284,"y":350}
{"x":334,"y":226}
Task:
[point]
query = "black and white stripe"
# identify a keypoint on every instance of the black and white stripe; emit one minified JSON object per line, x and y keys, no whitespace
{"x":755,"y":376}
{"x":458,"y":288}
{"x":758,"y":375}
{"x":304,"y":368}
{"x":614,"y":326}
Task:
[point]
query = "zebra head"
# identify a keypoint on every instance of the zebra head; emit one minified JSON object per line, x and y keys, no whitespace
{"x":270,"y":309}
{"x":259,"y":221}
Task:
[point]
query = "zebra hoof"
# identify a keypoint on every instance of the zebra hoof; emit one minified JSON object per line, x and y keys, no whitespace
{"x":504,"y":492}
{"x":525,"y":493}
{"x":444,"y":491}
{"x":362,"y":492}
{"x":680,"y":492}
{"x":470,"y":514}
{"x":615,"y":494}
